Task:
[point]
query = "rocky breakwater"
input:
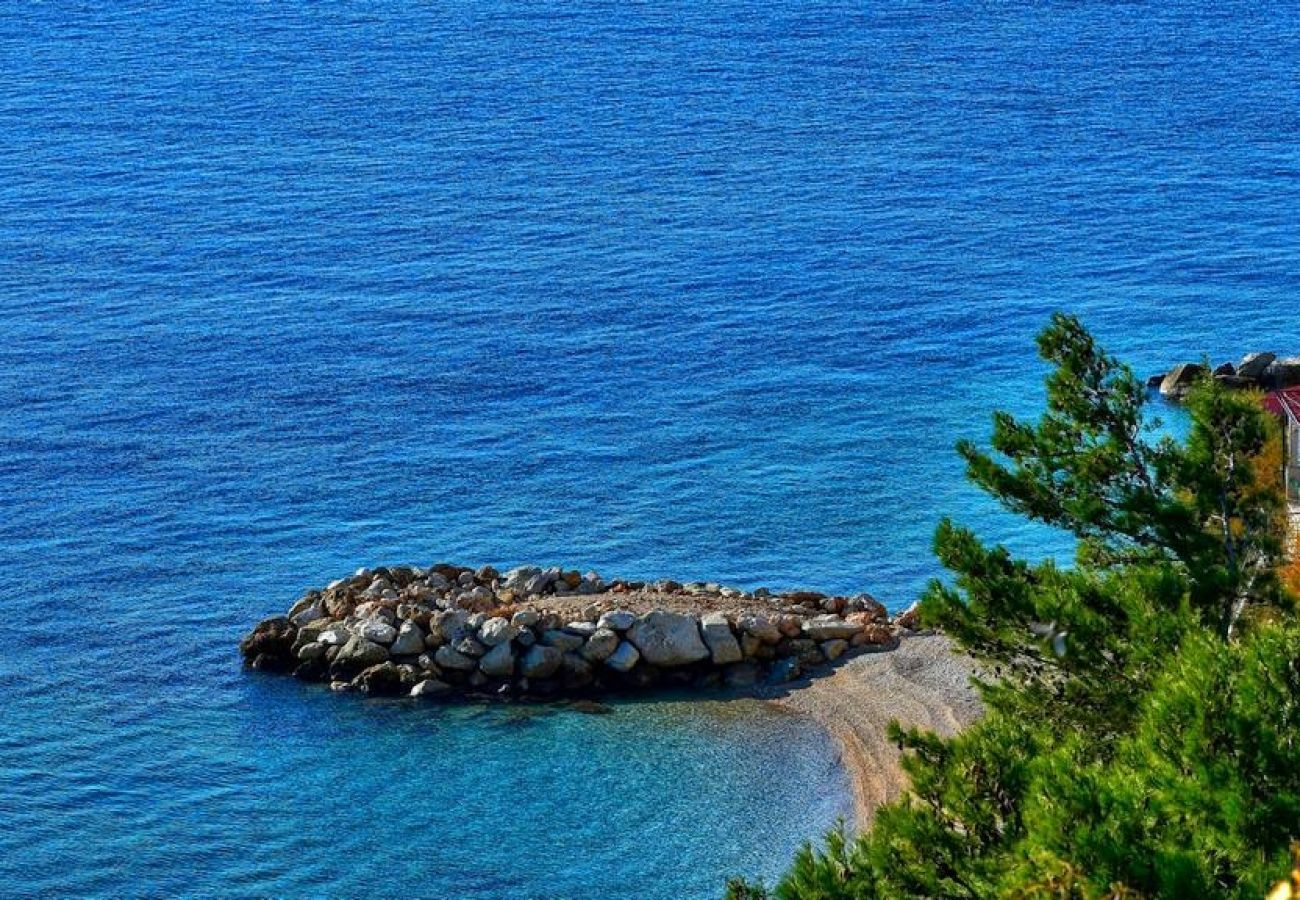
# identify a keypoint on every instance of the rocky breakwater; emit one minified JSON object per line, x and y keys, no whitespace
{"x":450,"y":631}
{"x":1255,"y":371}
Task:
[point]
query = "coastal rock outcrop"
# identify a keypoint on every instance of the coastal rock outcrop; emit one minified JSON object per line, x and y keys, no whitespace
{"x":451,"y":631}
{"x":1255,"y":371}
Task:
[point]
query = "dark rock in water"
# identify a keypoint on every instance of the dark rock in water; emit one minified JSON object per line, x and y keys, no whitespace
{"x":314,"y":669}
{"x":1254,"y":365}
{"x":1154,"y":381}
{"x":591,"y":708}
{"x":1180,"y":380}
{"x":431,"y":687}
{"x":742,"y":675}
{"x":1224,"y":369}
{"x":269,"y":646}
{"x":384,"y":680}
{"x":784,"y":670}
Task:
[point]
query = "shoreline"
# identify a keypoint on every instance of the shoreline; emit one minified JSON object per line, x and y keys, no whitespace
{"x":923,"y":682}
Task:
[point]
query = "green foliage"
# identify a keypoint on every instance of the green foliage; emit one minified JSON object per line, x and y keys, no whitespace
{"x":1138,"y":739}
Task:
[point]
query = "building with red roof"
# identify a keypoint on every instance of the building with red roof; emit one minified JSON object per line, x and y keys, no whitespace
{"x":1285,"y":404}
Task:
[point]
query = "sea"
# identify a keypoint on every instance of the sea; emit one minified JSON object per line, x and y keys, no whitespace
{"x":677,"y":289}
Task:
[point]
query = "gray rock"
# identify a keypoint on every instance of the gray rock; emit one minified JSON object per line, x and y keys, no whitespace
{"x":309,"y":614}
{"x":1180,"y":380}
{"x":540,"y":662}
{"x":431,"y":687}
{"x":378,"y":631}
{"x":499,"y":662}
{"x":377,"y":611}
{"x":600,"y":645}
{"x":360,"y":653}
{"x":828,"y":627}
{"x":525,"y":618}
{"x":1254,"y":365}
{"x":561,"y":640}
{"x":496,"y":631}
{"x":447,"y":626}
{"x":517,"y":578}
{"x":470,"y":647}
{"x":409,"y":641}
{"x":624,"y":657}
{"x":526,"y":638}
{"x":335,"y":636}
{"x":668,"y":639}
{"x":761,"y":628}
{"x":585,"y":629}
{"x":537,"y":584}
{"x":722,"y":644}
{"x":447,"y":658}
{"x":617,"y":620}
{"x":314,"y":650}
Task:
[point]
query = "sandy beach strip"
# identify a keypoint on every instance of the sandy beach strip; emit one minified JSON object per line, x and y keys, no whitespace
{"x":925,"y":682}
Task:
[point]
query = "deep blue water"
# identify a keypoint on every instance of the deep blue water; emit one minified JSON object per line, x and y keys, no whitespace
{"x":698,"y":290}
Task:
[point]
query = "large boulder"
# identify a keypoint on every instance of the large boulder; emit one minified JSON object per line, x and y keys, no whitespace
{"x":409,"y":640}
{"x":540,"y":662}
{"x":668,"y":639}
{"x":1283,"y":373}
{"x":447,"y":627}
{"x":600,"y":645}
{"x":760,"y":627}
{"x":269,"y":646}
{"x":722,"y":644}
{"x":1254,"y":365}
{"x":827,"y":628}
{"x":497,"y":630}
{"x":384,"y":680}
{"x":617,"y":620}
{"x":561,"y":640}
{"x":1180,"y":380}
{"x":305,"y":615}
{"x":335,"y":636}
{"x":447,"y":658}
{"x":499,"y":662}
{"x":356,"y":655}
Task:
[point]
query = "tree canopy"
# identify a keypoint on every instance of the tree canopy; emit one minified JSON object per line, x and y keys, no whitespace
{"x":1141,"y":735}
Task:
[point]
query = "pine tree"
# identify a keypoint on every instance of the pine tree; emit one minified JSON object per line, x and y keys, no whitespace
{"x":1141,"y":702}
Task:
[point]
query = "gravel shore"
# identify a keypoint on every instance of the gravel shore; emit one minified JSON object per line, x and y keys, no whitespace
{"x":924,"y":682}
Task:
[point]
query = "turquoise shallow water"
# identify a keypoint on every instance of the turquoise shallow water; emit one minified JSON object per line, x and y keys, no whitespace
{"x":703,"y":291}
